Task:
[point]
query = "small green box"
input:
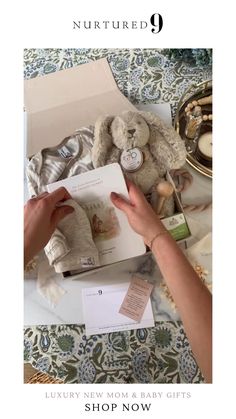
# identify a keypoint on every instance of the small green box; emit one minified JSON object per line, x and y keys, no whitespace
{"x":176,"y":224}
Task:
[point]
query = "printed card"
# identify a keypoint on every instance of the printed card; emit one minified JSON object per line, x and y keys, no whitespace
{"x":101,"y":306}
{"x":136,"y":299}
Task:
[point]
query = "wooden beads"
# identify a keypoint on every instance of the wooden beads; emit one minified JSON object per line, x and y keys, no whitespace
{"x":207,"y":117}
{"x":191,"y":107}
{"x":204,"y":117}
{"x":203,"y":101}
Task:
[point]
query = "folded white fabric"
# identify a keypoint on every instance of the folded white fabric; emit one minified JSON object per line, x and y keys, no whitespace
{"x":73,"y":248}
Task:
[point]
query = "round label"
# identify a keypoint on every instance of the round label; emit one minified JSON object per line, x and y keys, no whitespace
{"x":131,"y":160}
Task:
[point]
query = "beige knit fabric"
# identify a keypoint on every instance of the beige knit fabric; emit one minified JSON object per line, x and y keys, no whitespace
{"x":80,"y":251}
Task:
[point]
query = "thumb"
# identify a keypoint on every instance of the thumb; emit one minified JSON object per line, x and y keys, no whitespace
{"x":120,"y":202}
{"x":60,"y":213}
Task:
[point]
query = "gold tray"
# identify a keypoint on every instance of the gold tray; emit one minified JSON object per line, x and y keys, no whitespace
{"x":194,"y":92}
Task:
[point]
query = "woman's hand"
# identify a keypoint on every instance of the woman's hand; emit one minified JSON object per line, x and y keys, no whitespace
{"x":140,"y":214}
{"x":41,"y":216}
{"x":191,"y":296}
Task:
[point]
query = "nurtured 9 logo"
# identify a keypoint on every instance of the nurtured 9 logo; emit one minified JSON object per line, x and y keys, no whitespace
{"x":157,"y":22}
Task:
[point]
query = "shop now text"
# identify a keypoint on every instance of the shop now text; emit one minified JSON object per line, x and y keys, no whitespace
{"x":111,"y":407}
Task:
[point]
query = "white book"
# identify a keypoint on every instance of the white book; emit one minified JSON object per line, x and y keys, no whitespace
{"x":113,"y":236}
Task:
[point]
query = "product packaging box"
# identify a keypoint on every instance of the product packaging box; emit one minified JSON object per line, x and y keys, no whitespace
{"x":177,"y":224}
{"x":59,"y":103}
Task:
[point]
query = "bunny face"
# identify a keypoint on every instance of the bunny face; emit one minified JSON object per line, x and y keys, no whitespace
{"x":129,"y":130}
{"x":162,"y":147}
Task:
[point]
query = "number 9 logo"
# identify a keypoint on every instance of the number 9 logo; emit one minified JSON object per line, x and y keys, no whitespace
{"x":157,"y":21}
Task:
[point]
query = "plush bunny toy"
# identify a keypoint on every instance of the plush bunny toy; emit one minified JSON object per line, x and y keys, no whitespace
{"x":143,"y":145}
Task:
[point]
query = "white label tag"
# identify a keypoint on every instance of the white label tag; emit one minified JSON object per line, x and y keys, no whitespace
{"x":64,"y":152}
{"x":87,"y":262}
{"x":131,"y":160}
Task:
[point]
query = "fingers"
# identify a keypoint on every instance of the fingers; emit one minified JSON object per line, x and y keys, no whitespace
{"x":135,"y":194}
{"x":128,"y":182}
{"x":60,"y":194}
{"x":136,"y":198}
{"x":120,"y":202}
{"x":42,"y":195}
{"x":59,"y":213}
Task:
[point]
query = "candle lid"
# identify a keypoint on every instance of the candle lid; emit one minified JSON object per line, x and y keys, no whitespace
{"x":131,"y":160}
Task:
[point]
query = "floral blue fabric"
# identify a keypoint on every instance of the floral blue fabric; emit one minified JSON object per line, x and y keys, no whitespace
{"x":160,"y":354}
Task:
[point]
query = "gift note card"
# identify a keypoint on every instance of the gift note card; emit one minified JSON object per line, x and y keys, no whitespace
{"x":136,"y":299}
{"x":101,"y":307}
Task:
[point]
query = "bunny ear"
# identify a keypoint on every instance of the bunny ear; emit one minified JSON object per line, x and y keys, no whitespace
{"x":102,"y":140}
{"x":151,"y":118}
{"x":166,"y":145}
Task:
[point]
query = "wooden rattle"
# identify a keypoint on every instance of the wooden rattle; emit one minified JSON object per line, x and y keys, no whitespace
{"x":164,"y":190}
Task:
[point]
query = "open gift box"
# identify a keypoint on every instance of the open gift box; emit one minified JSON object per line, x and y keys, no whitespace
{"x":59,"y":103}
{"x":176,"y":224}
